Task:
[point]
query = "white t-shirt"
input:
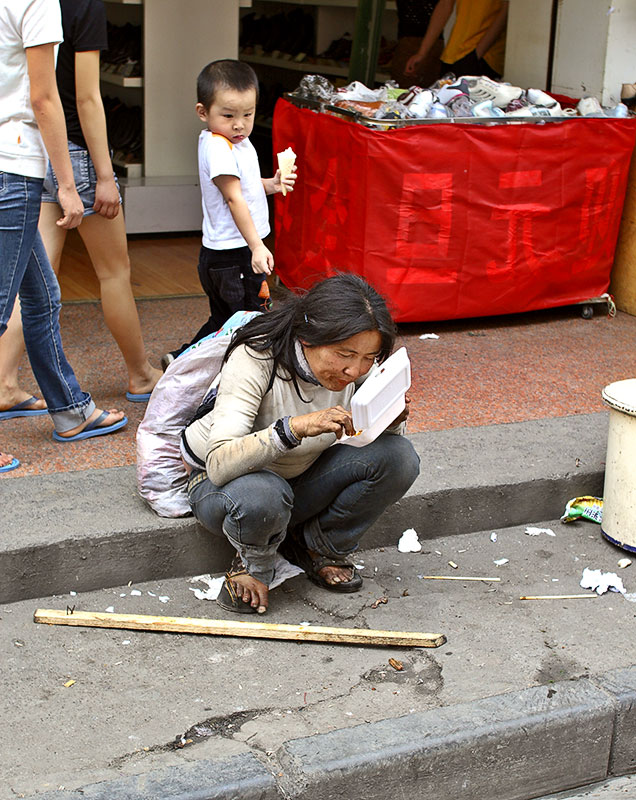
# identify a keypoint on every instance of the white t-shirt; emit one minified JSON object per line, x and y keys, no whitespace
{"x":23,"y":23}
{"x":218,"y":156}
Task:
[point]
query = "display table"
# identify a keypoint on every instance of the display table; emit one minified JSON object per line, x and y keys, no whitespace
{"x":452,"y":220}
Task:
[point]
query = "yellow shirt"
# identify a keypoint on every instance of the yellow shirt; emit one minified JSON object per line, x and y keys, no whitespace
{"x":472,"y":20}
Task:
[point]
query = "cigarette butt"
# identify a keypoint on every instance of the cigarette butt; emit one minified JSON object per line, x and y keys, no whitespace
{"x":452,"y":564}
{"x":558,"y":597}
{"x":455,"y":578}
{"x":69,"y":683}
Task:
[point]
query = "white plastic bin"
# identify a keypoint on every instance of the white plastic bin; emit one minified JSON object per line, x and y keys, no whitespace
{"x":619,"y":494}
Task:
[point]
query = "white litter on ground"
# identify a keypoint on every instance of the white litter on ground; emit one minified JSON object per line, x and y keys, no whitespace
{"x":429,"y":336}
{"x":409,"y":542}
{"x":282,"y":571}
{"x":493,"y":537}
{"x":501,"y":561}
{"x":110,"y":609}
{"x":135,"y":593}
{"x":536,"y":531}
{"x":624,"y":562}
{"x":600,"y":582}
{"x":164,"y":598}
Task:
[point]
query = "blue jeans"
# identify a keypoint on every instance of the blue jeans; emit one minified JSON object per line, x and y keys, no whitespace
{"x":84,"y":176}
{"x":25,"y":269}
{"x":333,"y":502}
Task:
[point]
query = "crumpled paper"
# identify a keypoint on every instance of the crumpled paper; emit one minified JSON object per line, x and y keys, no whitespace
{"x":600,"y":582}
{"x":409,"y":543}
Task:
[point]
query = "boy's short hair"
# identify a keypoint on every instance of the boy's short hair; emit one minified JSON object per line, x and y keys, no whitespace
{"x":226,"y":73}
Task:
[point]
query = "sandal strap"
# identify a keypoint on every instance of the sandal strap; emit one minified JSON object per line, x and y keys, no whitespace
{"x":324,"y":561}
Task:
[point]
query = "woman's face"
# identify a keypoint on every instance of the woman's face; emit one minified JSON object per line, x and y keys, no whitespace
{"x":337,"y":365}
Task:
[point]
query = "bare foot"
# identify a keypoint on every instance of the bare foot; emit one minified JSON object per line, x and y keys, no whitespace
{"x":333,"y":574}
{"x":144,"y":384}
{"x":251,"y":591}
{"x":5,"y":459}
{"x":113,"y":416}
{"x":18,"y":396}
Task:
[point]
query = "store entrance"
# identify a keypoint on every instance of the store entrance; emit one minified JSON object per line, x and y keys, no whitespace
{"x":161,"y":266}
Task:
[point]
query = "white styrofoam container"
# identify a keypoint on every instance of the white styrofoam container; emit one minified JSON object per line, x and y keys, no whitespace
{"x":380,"y":399}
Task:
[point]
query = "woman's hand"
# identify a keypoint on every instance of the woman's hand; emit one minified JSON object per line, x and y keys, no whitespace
{"x":330,"y":420}
{"x":403,"y":416}
{"x":106,"y":198}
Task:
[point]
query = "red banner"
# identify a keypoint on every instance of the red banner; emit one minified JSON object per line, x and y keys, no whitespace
{"x":454,"y":220}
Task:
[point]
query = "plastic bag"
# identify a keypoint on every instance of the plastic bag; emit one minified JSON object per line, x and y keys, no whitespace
{"x":161,"y":476}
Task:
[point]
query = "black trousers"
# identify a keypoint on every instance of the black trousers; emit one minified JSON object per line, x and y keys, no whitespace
{"x":230,"y":284}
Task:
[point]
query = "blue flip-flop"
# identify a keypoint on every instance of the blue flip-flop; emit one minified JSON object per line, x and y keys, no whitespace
{"x":11,"y":465}
{"x":93,"y":429}
{"x":138,"y":398}
{"x":23,"y":410}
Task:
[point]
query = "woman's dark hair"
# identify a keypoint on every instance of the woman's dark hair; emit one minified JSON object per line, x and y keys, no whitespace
{"x":226,"y":73}
{"x":331,"y":311}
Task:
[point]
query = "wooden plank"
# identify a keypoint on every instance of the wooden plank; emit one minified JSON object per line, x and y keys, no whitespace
{"x":222,"y":627}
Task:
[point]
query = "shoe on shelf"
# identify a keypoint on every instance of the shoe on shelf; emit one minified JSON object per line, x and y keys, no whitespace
{"x":589,"y":107}
{"x":486,"y":109}
{"x":483,"y":88}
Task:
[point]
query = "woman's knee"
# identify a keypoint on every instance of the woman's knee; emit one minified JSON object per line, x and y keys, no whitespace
{"x":251,"y":508}
{"x":399,"y":463}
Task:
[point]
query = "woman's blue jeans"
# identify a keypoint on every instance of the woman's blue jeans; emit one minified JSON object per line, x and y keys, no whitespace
{"x":333,"y":502}
{"x":26,"y":270}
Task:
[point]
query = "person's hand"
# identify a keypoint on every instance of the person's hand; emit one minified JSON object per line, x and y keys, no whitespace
{"x":262,"y":260}
{"x":288,"y":181}
{"x":72,"y":208}
{"x":404,"y":415}
{"x":106,"y":198}
{"x":412,"y":64}
{"x":329,"y":420}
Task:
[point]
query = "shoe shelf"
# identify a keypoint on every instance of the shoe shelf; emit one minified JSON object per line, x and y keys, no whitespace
{"x":390,"y":5}
{"x":121,"y":80}
{"x":305,"y":66}
{"x":158,"y":171}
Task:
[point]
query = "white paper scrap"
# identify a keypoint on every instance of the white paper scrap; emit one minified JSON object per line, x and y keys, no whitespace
{"x":429,"y":336}
{"x":501,"y":561}
{"x":110,"y":609}
{"x":600,"y":582}
{"x":536,"y":531}
{"x":409,"y":542}
{"x":493,"y":537}
{"x":164,"y":598}
{"x":135,"y":593}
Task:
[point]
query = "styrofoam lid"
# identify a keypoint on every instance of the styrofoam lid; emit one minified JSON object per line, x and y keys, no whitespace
{"x":621,"y":395}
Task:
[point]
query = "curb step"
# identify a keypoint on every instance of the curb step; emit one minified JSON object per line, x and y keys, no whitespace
{"x":90,"y":530}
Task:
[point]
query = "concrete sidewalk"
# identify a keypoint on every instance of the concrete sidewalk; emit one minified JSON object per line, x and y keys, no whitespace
{"x":525,"y":698}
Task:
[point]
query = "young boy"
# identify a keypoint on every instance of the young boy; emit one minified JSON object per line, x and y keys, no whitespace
{"x":233,"y":260}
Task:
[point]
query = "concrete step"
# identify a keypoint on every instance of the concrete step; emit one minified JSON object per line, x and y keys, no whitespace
{"x":87,"y":530}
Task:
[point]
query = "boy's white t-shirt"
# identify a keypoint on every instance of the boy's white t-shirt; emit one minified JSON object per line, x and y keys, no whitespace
{"x":218,"y":156}
{"x":23,"y":24}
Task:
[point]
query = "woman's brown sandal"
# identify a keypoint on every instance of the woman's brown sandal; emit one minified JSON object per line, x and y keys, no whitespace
{"x":227,"y":598}
{"x":296,"y":552}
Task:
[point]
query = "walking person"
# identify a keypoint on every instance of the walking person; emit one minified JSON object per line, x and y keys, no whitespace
{"x":32,"y":119}
{"x":103,"y":229}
